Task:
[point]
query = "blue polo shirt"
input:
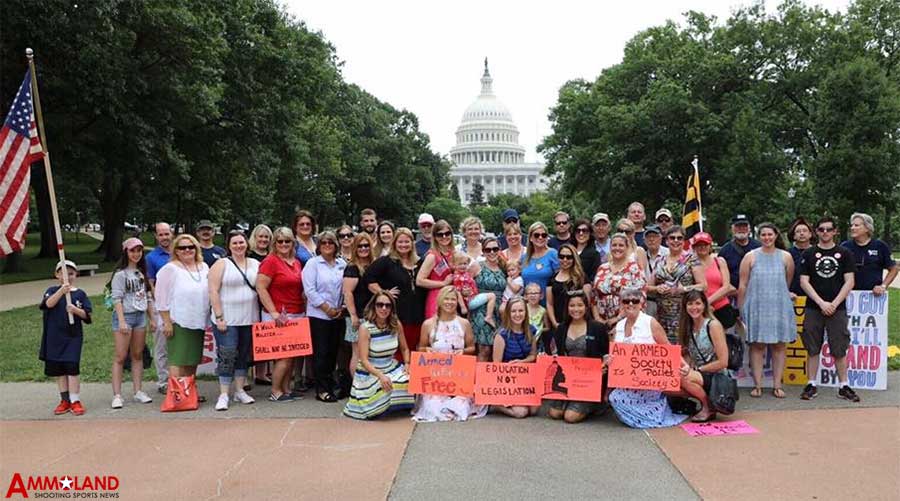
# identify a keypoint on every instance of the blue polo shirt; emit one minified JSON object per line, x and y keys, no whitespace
{"x":871,"y":261}
{"x":422,"y":248}
{"x":733,"y":253}
{"x":156,"y":259}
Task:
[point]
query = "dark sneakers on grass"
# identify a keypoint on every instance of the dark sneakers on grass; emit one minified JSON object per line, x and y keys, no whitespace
{"x":810,"y":392}
{"x":847,"y":393}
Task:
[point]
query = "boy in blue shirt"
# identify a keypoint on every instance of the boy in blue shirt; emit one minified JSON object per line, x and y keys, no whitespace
{"x":60,"y":341}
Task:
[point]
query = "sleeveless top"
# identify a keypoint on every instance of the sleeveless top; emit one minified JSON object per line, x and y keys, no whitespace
{"x":448,"y":336}
{"x":516,"y":346}
{"x":640,"y":332}
{"x":701,"y":349}
{"x":240,"y":305}
{"x":714,"y":283}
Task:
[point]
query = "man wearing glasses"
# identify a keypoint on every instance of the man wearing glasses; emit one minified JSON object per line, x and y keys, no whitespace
{"x":735,"y":249}
{"x":663,"y":219}
{"x":827,"y":277}
{"x":510,"y":216}
{"x":563,"y":230}
{"x":426,"y":223}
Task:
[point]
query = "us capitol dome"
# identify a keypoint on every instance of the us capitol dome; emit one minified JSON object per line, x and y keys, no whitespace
{"x":488,"y":152}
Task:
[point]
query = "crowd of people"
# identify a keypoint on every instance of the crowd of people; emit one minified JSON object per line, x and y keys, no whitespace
{"x":375,"y":295}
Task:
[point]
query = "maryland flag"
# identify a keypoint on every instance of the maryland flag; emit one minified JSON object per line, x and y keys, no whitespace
{"x":690,"y":216}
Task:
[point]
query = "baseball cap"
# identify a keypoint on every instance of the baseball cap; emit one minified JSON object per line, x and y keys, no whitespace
{"x":426,"y":218}
{"x":663,"y":212}
{"x":510,"y":214}
{"x":131,"y":243}
{"x":68,"y":264}
{"x":701,"y":238}
{"x":652,"y":229}
{"x":205,"y":223}
{"x":740,"y":219}
{"x":600,"y":216}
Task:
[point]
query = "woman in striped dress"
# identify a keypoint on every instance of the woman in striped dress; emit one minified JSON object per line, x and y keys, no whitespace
{"x":380,"y":384}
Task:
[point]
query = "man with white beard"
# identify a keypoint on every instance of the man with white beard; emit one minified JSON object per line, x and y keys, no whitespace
{"x":740,"y":244}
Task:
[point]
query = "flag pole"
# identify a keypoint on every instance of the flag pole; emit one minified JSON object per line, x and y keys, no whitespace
{"x":696,"y":164}
{"x":40,"y":123}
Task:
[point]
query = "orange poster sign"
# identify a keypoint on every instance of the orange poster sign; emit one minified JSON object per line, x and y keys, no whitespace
{"x":507,"y":384}
{"x":271,"y":342}
{"x":441,"y":374}
{"x":571,"y":378}
{"x":645,"y":366}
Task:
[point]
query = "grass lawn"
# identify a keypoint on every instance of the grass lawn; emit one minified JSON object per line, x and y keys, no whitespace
{"x":894,"y":326}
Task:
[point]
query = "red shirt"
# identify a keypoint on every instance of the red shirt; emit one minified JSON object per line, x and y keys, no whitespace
{"x":286,"y":288}
{"x":463,"y":280}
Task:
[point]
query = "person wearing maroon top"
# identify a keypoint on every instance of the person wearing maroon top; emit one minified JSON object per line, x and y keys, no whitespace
{"x":280,"y":287}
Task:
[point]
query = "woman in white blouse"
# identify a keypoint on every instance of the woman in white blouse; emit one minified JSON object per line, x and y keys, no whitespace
{"x":182,"y":299}
{"x":235,"y":307}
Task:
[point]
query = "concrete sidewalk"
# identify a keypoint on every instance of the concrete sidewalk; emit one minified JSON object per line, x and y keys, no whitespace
{"x":30,"y":293}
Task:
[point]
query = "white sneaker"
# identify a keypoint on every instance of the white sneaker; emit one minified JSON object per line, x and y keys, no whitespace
{"x":142,"y":398}
{"x":117,"y":402}
{"x":222,"y":403}
{"x":243,"y":397}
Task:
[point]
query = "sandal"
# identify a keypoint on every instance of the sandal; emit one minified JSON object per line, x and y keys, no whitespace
{"x":778,"y":392}
{"x":325,"y":397}
{"x":756,"y":392}
{"x":700,"y":418}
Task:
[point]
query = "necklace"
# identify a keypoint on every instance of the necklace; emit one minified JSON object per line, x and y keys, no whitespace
{"x":412,"y":276}
{"x":192,"y":275}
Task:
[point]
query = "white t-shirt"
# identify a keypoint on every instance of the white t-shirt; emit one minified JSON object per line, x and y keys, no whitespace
{"x":508,"y":293}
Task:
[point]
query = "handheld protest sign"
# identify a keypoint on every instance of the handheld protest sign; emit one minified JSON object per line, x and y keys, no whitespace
{"x":571,"y":378}
{"x":645,"y":366}
{"x":507,"y":384}
{"x":273,"y":342}
{"x":441,"y":374}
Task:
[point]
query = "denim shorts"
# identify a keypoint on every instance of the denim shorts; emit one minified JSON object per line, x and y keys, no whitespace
{"x":134,"y":320}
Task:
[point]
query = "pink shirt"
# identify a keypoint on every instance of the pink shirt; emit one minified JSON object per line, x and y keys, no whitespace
{"x":714,"y":283}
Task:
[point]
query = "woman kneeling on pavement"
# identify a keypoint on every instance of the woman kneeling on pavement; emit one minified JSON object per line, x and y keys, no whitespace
{"x":640,"y":408}
{"x":703,"y":346}
{"x":380,"y":384}
{"x":514,"y":343}
{"x":577,"y":336}
{"x":235,"y":307}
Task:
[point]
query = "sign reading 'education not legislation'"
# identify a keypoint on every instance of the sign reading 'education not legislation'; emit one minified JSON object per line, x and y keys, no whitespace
{"x":508,"y":384}
{"x":645,"y":366}
{"x":441,"y":374}
{"x":272,"y":342}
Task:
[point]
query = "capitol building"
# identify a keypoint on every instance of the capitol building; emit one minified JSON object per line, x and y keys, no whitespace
{"x":488,"y":153}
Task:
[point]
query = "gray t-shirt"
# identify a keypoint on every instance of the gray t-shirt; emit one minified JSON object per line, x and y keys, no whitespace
{"x":129,"y":287}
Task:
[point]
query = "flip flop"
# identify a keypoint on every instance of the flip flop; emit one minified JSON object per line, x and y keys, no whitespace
{"x":778,"y":392}
{"x":756,"y":392}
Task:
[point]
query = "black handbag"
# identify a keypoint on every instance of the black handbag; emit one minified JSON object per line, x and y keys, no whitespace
{"x":735,"y":351}
{"x":727,"y":316}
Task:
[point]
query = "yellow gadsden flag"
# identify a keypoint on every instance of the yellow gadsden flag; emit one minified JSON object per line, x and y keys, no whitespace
{"x":690,"y":216}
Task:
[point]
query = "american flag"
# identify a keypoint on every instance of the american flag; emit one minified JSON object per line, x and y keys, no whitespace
{"x":19,"y":147}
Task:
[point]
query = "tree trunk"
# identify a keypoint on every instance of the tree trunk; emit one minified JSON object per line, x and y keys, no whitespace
{"x":13,"y":263}
{"x":114,"y":202}
{"x":45,"y":212}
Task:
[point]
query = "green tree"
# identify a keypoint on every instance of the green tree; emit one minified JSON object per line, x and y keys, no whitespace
{"x":450,"y":210}
{"x":476,"y":198}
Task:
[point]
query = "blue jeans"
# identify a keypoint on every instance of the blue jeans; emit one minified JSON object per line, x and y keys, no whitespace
{"x":232,"y":352}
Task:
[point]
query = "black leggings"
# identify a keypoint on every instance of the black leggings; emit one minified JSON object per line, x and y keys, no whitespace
{"x":326,"y":338}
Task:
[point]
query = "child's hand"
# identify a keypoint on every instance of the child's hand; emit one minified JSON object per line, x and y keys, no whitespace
{"x":65,"y":289}
{"x":73,"y":309}
{"x":448,"y":280}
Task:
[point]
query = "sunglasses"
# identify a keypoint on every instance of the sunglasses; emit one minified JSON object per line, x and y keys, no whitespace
{"x":491,"y":250}
{"x":825,"y":230}
{"x":663,"y":219}
{"x":284,"y":241}
{"x":583,"y":231}
{"x":631,"y":301}
{"x":676,"y":238}
{"x":561,"y":223}
{"x":567,"y":257}
{"x":425,"y":225}
{"x":326,"y":242}
{"x":184,"y":247}
{"x":385,"y":306}
{"x":624,"y":230}
{"x":444,"y":234}
{"x":511,"y":220}
{"x":363,"y":246}
{"x":539,"y":235}
{"x":344,"y":236}
{"x":304,"y":225}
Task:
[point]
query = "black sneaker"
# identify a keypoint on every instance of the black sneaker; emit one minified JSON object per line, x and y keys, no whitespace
{"x":162,"y":389}
{"x":847,"y":392}
{"x":810,"y":392}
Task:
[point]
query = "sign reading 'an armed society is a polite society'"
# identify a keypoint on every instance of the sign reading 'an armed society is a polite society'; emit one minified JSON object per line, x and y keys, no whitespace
{"x":645,"y":366}
{"x":272,"y":341}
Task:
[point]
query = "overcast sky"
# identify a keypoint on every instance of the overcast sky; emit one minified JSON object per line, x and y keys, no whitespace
{"x":428,"y":57}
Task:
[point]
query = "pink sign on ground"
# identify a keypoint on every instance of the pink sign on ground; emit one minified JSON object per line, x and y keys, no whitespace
{"x":719,"y":428}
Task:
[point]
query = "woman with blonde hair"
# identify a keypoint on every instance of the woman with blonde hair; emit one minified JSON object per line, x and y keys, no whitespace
{"x":541,"y":260}
{"x":435,"y":271}
{"x":356,"y":294}
{"x":260,"y":244}
{"x":515,"y":343}
{"x":619,"y":273}
{"x":395,"y":273}
{"x":345,"y":242}
{"x":636,"y":252}
{"x":514,"y":251}
{"x":446,"y":332}
{"x":472,"y":231}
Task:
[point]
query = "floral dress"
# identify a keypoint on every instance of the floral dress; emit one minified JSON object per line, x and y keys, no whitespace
{"x":608,"y":284}
{"x":492,"y":281}
{"x":668,"y":305}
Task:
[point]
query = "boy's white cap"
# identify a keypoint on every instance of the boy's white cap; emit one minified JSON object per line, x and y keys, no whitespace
{"x":68,"y":264}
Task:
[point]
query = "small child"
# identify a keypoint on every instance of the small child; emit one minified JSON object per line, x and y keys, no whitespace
{"x":537,"y":314}
{"x":61,"y":342}
{"x":463,"y":280}
{"x":514,"y":282}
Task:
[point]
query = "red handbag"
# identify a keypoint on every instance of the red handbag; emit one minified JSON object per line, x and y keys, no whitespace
{"x":181,"y":395}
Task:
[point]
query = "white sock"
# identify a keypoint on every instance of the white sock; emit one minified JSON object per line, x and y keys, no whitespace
{"x":73,"y":397}
{"x":845,"y":383}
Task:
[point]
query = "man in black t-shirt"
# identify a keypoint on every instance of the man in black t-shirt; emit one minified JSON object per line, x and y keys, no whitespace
{"x":827,"y":278}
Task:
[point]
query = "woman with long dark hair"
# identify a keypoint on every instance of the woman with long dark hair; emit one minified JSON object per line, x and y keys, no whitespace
{"x":132,"y":304}
{"x":703,"y":347}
